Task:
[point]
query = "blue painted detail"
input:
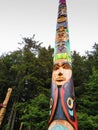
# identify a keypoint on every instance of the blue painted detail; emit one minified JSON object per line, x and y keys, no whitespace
{"x":59,"y":127}
{"x":61,"y":24}
{"x":59,"y":114}
{"x":71,"y":112}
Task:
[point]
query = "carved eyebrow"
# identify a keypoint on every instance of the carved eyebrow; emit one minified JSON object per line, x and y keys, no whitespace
{"x":56,"y":66}
{"x":66,"y":65}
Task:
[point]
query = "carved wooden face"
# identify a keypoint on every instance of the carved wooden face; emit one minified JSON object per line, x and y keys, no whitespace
{"x":61,"y":72}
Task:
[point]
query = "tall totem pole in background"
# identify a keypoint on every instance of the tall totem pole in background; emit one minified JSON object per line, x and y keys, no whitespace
{"x":62,"y":101}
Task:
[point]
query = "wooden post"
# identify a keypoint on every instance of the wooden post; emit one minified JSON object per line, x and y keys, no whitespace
{"x":5,"y":102}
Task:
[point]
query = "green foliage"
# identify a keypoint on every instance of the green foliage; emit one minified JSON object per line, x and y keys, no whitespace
{"x":87,"y":122}
{"x":28,"y":71}
{"x":35,"y":112}
{"x":79,"y":69}
{"x":88,"y":105}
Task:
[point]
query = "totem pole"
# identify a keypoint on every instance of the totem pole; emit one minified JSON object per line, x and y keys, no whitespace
{"x":62,"y":101}
{"x":5,"y":102}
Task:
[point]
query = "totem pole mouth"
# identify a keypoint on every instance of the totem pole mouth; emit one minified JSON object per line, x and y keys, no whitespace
{"x":61,"y":79}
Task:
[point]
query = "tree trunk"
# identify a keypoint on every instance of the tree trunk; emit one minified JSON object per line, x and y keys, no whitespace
{"x":13,"y":120}
{"x":11,"y":116}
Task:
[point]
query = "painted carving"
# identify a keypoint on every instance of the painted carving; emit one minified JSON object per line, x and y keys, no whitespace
{"x":62,"y":101}
{"x":61,"y":72}
{"x":61,"y":35}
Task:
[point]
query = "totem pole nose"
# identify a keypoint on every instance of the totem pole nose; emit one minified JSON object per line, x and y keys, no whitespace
{"x":60,"y":71}
{"x":60,"y":74}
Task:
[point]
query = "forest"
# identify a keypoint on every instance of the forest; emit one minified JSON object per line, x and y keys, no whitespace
{"x":28,"y":72}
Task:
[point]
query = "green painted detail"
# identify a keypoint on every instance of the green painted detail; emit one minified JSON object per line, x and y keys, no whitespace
{"x":62,"y":56}
{"x":67,"y":30}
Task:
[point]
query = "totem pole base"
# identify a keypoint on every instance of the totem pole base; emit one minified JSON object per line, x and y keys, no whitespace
{"x":60,"y":124}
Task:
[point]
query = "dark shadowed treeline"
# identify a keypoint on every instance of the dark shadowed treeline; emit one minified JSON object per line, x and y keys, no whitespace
{"x":28,"y":71}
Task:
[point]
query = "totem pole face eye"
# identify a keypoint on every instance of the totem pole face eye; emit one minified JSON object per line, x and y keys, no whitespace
{"x":61,"y":72}
{"x":70,"y":102}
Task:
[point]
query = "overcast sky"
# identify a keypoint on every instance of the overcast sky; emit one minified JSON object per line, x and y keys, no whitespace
{"x":23,"y":18}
